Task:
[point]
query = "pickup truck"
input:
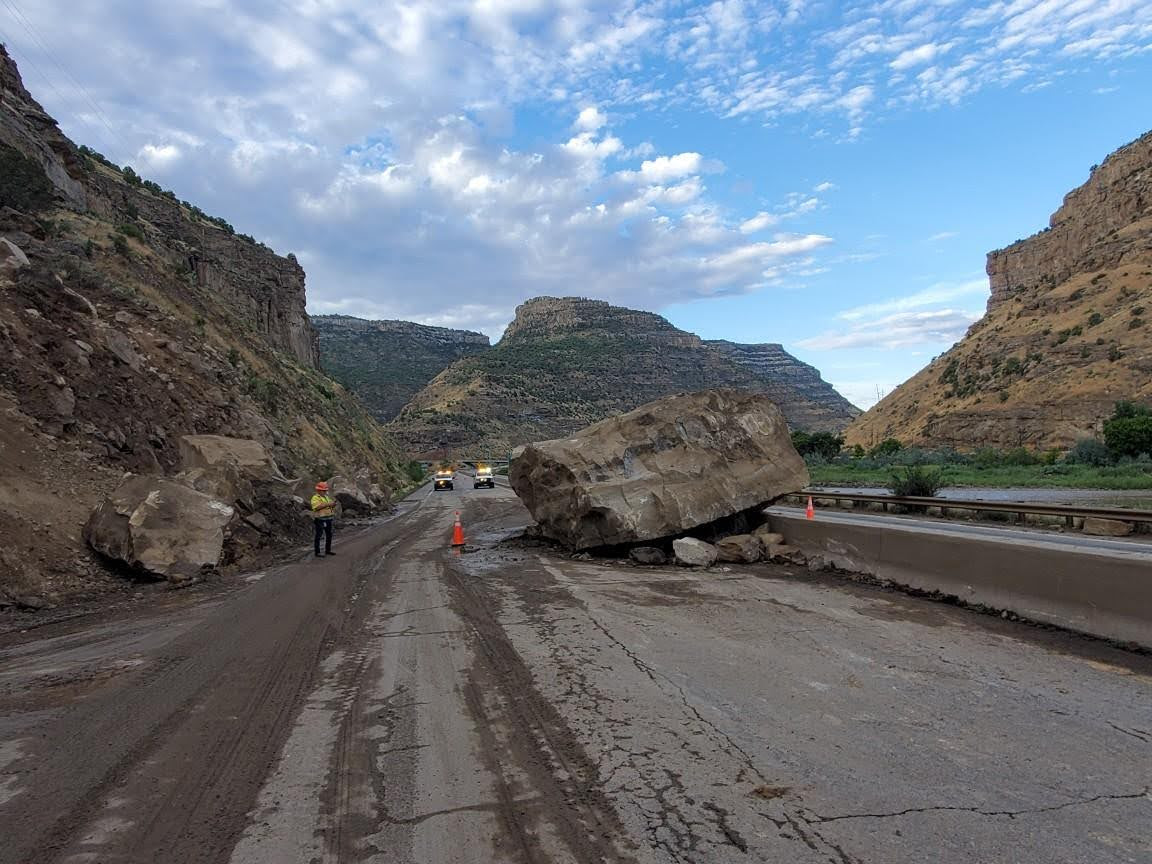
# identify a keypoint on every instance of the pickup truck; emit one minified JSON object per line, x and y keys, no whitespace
{"x":483,"y":478}
{"x":445,"y":479}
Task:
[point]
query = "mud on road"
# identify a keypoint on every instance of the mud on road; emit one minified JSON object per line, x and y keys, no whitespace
{"x":398,"y":703}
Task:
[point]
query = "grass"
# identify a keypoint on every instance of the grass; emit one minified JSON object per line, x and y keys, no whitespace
{"x":1026,"y":476}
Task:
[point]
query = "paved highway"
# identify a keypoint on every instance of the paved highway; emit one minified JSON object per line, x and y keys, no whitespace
{"x":1137,"y":547}
{"x":399,"y":703}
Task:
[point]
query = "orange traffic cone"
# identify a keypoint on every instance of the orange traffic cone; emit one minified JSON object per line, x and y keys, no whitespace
{"x":810,"y":511}
{"x":458,"y":532}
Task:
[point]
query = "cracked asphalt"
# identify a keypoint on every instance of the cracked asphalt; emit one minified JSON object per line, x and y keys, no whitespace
{"x":401,"y":703}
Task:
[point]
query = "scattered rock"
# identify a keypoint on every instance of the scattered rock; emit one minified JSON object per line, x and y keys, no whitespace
{"x":62,"y":401}
{"x":160,"y":527}
{"x":1106,"y":527}
{"x":740,"y":549}
{"x":664,"y":468}
{"x":691,"y":552}
{"x":648,"y":555}
{"x":123,"y":349}
{"x":12,"y":257}
{"x":782,"y":553}
{"x":768,"y":537}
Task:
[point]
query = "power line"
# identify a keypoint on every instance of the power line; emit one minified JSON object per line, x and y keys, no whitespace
{"x":23,"y":20}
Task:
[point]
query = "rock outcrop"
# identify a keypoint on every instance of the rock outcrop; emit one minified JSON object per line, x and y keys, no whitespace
{"x":160,"y":527}
{"x":386,"y":363}
{"x":659,"y":471}
{"x":567,"y":362}
{"x":1066,"y":334}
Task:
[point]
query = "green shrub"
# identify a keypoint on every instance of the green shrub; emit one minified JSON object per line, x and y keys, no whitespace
{"x":915,"y":481}
{"x":120,"y":245}
{"x":887,"y":447}
{"x":1089,"y":451}
{"x":130,"y":229}
{"x":1129,"y":431}
{"x":1094,"y":319}
{"x":1135,"y":323}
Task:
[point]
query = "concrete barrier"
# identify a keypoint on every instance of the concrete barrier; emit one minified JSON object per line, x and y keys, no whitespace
{"x":1094,"y":590}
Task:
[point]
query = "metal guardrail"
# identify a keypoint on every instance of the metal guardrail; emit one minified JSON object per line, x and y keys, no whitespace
{"x":1021,"y":509}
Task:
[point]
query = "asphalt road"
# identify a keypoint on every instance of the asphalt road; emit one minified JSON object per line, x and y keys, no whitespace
{"x":399,"y":703}
{"x":1136,"y":546}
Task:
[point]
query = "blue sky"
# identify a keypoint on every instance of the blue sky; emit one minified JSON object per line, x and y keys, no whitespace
{"x":826,"y":175}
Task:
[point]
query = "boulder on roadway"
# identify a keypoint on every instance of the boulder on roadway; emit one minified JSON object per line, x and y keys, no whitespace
{"x":160,"y":527}
{"x":660,"y":470}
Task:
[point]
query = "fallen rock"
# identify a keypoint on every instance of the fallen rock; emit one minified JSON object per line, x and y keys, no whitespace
{"x":691,"y":552}
{"x":247,"y":456}
{"x":660,"y":470}
{"x":782,"y":553}
{"x":351,"y":497}
{"x":1106,"y":527}
{"x":12,"y":257}
{"x":740,"y":549}
{"x":160,"y":527}
{"x":224,"y":482}
{"x":648,"y":555}
{"x":123,"y":349}
{"x":768,"y":537}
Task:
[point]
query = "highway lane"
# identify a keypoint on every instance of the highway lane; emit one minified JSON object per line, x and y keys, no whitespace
{"x":403,"y":703}
{"x":1137,"y":547}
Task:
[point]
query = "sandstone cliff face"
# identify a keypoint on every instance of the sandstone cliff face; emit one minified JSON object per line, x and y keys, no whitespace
{"x":126,"y":322}
{"x":1065,"y":335}
{"x":1095,"y":228}
{"x":565,"y":363}
{"x":386,"y":363}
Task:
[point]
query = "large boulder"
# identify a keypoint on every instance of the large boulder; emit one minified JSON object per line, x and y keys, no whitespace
{"x":247,"y":456}
{"x":160,"y":527}
{"x":660,"y":470}
{"x":352,"y":496}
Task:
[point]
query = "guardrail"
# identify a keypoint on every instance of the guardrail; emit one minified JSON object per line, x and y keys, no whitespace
{"x":1021,"y":509}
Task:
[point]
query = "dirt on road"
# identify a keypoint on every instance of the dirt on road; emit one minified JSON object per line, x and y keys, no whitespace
{"x":402,"y":703}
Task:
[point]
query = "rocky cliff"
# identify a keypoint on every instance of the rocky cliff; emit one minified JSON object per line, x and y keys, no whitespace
{"x":567,"y":362}
{"x":1065,"y":335}
{"x":386,"y":363}
{"x":783,"y":376}
{"x":127,"y":320}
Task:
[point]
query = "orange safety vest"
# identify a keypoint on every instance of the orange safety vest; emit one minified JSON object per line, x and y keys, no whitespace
{"x":323,"y":507}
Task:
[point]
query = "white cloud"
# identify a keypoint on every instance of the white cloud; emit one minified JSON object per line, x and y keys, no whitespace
{"x":665,"y":168}
{"x":158,"y":157}
{"x":918,"y":56}
{"x":940,"y":293}
{"x":942,"y":235}
{"x":758,"y":222}
{"x":590,"y":119}
{"x":941,"y":327}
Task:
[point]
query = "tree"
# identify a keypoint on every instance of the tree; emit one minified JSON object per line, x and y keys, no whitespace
{"x":1129,"y":431}
{"x":887,"y":447}
{"x":817,"y":444}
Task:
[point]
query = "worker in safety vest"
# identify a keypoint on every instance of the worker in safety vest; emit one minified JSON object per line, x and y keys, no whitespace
{"x":323,"y":512}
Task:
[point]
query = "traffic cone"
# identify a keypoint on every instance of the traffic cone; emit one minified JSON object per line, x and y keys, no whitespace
{"x":810,"y":511}
{"x":457,"y":532}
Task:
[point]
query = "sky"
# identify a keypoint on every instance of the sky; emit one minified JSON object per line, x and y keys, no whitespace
{"x":828,"y":175}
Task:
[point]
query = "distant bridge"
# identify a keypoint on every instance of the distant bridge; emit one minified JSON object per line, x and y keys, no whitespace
{"x":493,"y":461}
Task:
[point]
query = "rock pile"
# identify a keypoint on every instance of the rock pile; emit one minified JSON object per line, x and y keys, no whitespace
{"x":230,"y":500}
